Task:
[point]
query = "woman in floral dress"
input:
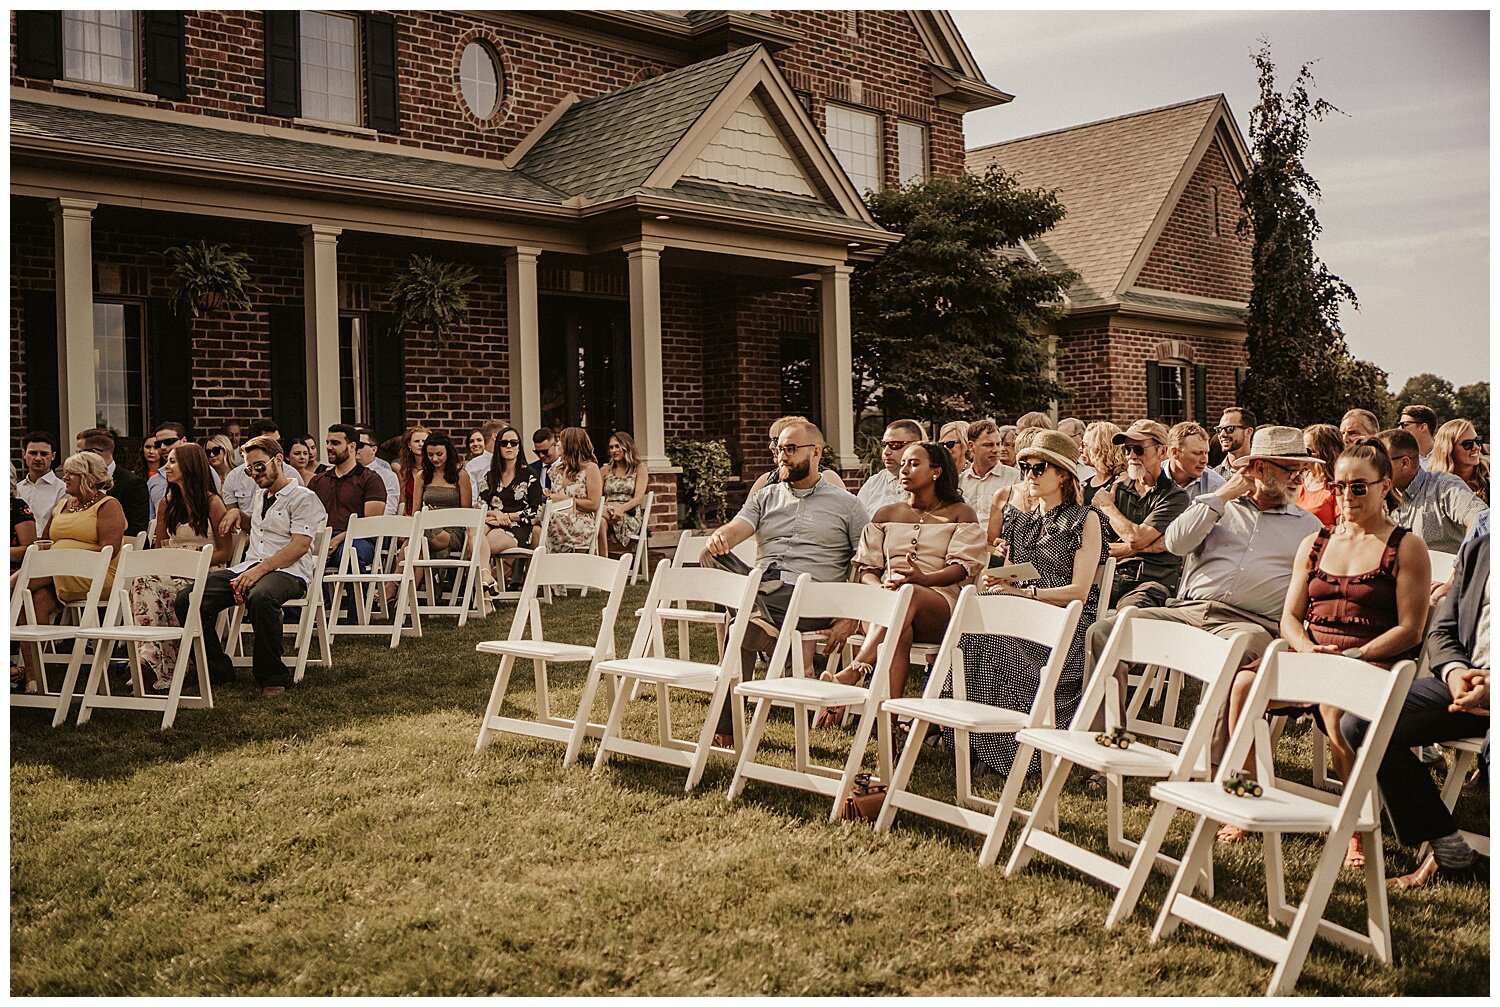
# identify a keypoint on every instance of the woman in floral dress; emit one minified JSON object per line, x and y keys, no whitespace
{"x":575,"y":477}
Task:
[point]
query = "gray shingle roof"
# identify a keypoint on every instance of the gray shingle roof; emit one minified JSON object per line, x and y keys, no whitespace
{"x":758,"y":200}
{"x":608,"y":146}
{"x":134,"y":133}
{"x":1170,"y":303}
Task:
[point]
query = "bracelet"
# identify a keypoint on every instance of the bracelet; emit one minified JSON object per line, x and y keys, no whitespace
{"x":1033,"y":592}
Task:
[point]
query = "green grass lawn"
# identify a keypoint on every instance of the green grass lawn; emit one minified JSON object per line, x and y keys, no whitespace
{"x":346,"y":840}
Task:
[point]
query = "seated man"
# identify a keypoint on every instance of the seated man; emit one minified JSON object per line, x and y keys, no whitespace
{"x":128,"y":488}
{"x":278,"y":564}
{"x":169,"y":434}
{"x":884,"y":487}
{"x":1137,"y":508}
{"x":1438,"y":506}
{"x":239,"y":486}
{"x":1239,"y":544}
{"x":1451,"y":703}
{"x":347,"y":489}
{"x":802,"y":525}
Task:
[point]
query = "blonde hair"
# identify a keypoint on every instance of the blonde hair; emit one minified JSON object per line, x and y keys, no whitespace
{"x":220,"y":441}
{"x":784,"y":422}
{"x":1104,"y":455}
{"x":957,"y":427}
{"x":1443,"y":443}
{"x":90,"y":468}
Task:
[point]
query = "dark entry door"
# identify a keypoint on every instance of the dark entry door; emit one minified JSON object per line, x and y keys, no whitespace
{"x":585,"y":362}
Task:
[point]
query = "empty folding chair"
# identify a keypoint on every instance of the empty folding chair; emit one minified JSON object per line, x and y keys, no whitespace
{"x":390,"y":564}
{"x":671,"y":588}
{"x":463,"y":596}
{"x":312,"y":622}
{"x":38,"y":564}
{"x":1207,"y":658}
{"x":1280,"y":807}
{"x":876,"y":607}
{"x":527,"y":642}
{"x":119,"y":627}
{"x":995,"y":615}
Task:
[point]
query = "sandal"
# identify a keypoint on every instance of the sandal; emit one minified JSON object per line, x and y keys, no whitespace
{"x":1354,"y":857}
{"x":832,"y":716}
{"x":1232,"y":834}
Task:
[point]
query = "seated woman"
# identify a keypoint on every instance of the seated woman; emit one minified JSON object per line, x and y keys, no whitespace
{"x":189,"y":516}
{"x":1456,"y":448}
{"x":413,"y":450}
{"x":22,"y":534}
{"x":1314,"y":494}
{"x":301,"y":460}
{"x":512,"y":499}
{"x":1063,"y":538}
{"x":825,"y":465}
{"x":1360,"y":590}
{"x":624,"y":491}
{"x":86,"y":517}
{"x":1008,"y":444}
{"x":150,"y":458}
{"x":475,"y":444}
{"x":219,"y":453}
{"x":575,"y":477}
{"x":1103,"y":455}
{"x":954,"y":437}
{"x":440,"y":483}
{"x":931,"y":541}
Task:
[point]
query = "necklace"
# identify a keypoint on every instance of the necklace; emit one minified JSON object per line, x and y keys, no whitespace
{"x":75,"y":505}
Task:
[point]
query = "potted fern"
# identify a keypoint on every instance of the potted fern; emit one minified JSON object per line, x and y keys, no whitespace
{"x":431,"y":295}
{"x":207,"y":277}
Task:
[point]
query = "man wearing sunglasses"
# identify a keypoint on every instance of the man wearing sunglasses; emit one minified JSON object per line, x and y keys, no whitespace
{"x":1438,"y":506}
{"x":364,"y":453}
{"x":1236,"y":427}
{"x":1138,"y":505}
{"x":169,"y":434}
{"x":1421,"y":422}
{"x":884,"y":487}
{"x":284,"y":519}
{"x":239,"y":487}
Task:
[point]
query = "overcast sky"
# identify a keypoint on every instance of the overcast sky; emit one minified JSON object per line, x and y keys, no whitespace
{"x":1404,"y":172}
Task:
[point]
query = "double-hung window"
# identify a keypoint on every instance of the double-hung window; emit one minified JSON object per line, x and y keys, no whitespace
{"x":330,"y":67}
{"x":854,"y":137}
{"x":100,"y":47}
{"x":911,"y":152}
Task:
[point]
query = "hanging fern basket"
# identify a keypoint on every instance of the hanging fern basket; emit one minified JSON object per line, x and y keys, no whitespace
{"x":206,"y":277}
{"x":431,"y":295}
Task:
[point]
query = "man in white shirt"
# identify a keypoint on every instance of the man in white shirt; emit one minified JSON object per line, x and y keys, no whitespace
{"x":40,"y":488}
{"x":365,"y":455}
{"x":884,"y":487}
{"x":477,"y":467}
{"x":987,"y":475}
{"x":278,"y":565}
{"x":239,"y":486}
{"x":1421,"y":422}
{"x":1187,"y":460}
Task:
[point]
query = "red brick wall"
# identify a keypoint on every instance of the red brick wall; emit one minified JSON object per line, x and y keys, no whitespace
{"x":1189,"y":257}
{"x":683,"y":317}
{"x":1106,"y":368}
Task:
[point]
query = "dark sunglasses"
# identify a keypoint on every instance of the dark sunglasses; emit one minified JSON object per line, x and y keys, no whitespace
{"x":1032,"y":468}
{"x":165,"y":442}
{"x":1471,"y":444}
{"x":509,"y":442}
{"x":1139,"y":450}
{"x":366,"y":444}
{"x":896,"y":445}
{"x":1229,"y":428}
{"x":949,"y":445}
{"x":256,"y":468}
{"x":1356,"y":488}
{"x":213,"y":452}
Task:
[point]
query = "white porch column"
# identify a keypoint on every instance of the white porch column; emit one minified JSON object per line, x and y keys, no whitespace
{"x":320,"y":278}
{"x":521,"y":332}
{"x":73,"y":226}
{"x":836,"y":366}
{"x":645,"y":352}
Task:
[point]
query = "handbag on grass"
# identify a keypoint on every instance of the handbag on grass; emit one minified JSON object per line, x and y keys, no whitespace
{"x":864,"y":800}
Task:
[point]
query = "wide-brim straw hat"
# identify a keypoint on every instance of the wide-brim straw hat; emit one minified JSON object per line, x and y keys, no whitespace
{"x":1052,"y":446}
{"x":1283,"y":445}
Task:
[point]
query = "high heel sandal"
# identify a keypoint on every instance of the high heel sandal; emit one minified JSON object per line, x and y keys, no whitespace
{"x":832,"y":716}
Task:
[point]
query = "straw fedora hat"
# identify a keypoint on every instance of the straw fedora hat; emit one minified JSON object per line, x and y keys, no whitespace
{"x":1283,"y":445}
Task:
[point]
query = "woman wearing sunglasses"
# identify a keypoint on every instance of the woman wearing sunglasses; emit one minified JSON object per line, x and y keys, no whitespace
{"x":1064,"y":539}
{"x":220,"y":455}
{"x":1456,"y":448}
{"x":512,"y":499}
{"x":1360,"y":590}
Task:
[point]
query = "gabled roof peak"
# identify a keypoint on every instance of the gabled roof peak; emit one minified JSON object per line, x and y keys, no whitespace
{"x":1101,"y":122}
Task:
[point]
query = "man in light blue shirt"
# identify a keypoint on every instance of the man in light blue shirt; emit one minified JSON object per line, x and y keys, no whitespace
{"x":1438,"y":506}
{"x":1187,"y":460}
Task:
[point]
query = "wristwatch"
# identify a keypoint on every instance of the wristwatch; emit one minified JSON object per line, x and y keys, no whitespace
{"x":1357,"y":653}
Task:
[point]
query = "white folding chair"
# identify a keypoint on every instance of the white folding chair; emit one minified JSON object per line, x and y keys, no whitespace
{"x":313,"y":621}
{"x":874,"y":606}
{"x":119,"y":626}
{"x":641,"y":538}
{"x":38,"y":564}
{"x":992,"y":615}
{"x":1207,"y":658}
{"x":672,"y":588}
{"x":1442,"y":565}
{"x":524,"y":552}
{"x":565,"y":568}
{"x":1465,"y":753}
{"x":464,"y":596}
{"x":689,"y":549}
{"x":1366,"y":691}
{"x":390,"y":564}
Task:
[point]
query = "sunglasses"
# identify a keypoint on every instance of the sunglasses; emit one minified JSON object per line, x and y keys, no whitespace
{"x":1139,"y":450}
{"x":1471,"y":444}
{"x":257,"y":468}
{"x":213,"y":452}
{"x":164,"y":442}
{"x":896,"y":445}
{"x":1356,"y":488}
{"x":949,"y":445}
{"x":509,"y":442}
{"x":1230,"y":428}
{"x":1032,"y":468}
{"x":366,"y":444}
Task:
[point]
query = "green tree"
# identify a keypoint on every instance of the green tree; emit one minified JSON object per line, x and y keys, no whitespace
{"x":1299,"y":362}
{"x":1472,"y":402}
{"x":1431,"y":391}
{"x":1365,"y":386}
{"x":948,"y":323}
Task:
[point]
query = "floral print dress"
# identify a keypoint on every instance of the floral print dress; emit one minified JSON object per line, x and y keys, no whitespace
{"x":571,"y":530}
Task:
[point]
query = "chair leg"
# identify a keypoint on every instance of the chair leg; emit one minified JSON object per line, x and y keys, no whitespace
{"x":751,"y":745}
{"x":706,"y":735}
{"x":611,"y":727}
{"x":1200,"y":847}
{"x":1114,"y":799}
{"x":1309,"y":914}
{"x":856,"y":754}
{"x":1377,"y":905}
{"x":1141,"y":866}
{"x":994,"y":839}
{"x":70,"y":677}
{"x":1278,"y":910}
{"x":102,"y":651}
{"x":497,"y":699}
{"x":901,"y":776}
{"x":543,"y":699}
{"x":581,"y":720}
{"x":174,"y":694}
{"x":1041,"y":811}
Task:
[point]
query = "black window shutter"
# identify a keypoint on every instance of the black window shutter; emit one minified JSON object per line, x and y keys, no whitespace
{"x":1240,"y":373}
{"x":288,"y":369}
{"x":1200,"y":393}
{"x":386,"y":356}
{"x":39,"y":44}
{"x":383,"y":107}
{"x":171,"y":355}
{"x":40,"y":321}
{"x":283,"y":63}
{"x":1153,"y":390}
{"x":165,"y":72}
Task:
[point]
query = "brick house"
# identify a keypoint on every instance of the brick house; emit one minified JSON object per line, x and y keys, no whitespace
{"x":663,"y":211}
{"x":1155,"y":323}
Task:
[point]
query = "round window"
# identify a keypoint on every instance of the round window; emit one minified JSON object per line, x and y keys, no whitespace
{"x":479,"y":79}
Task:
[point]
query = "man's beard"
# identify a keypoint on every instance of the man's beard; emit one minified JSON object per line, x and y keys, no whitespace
{"x":795,"y":472}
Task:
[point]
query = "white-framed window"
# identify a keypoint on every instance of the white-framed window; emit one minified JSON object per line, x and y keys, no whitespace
{"x":479,"y":79}
{"x":911,"y":152}
{"x":119,"y":374}
{"x":100,"y":46}
{"x":855,"y":139}
{"x":330,"y":67}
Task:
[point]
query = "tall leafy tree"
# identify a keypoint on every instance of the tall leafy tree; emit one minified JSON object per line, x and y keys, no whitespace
{"x":1472,"y":402}
{"x":948,"y":323}
{"x":1431,"y":391}
{"x":1300,"y":365}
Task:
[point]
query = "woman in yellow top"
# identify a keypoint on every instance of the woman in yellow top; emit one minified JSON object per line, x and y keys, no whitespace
{"x":86,"y":518}
{"x":932,"y":541}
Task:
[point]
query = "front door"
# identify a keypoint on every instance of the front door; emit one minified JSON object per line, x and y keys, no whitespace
{"x":585,"y":363}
